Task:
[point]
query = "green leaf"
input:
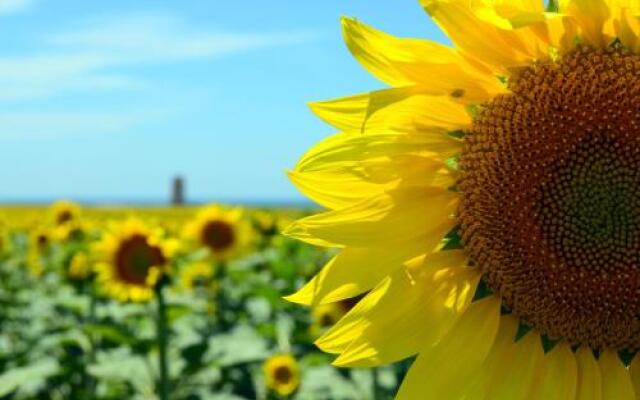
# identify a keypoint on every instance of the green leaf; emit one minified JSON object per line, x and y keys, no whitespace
{"x":33,"y":376}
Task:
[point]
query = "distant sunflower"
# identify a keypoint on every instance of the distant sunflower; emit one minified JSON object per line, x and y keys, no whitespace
{"x":79,"y":266}
{"x":324,"y":316}
{"x":490,"y":201}
{"x":133,"y":257}
{"x":223,"y":233}
{"x":198,"y":275}
{"x":64,"y":212}
{"x":282,"y":374}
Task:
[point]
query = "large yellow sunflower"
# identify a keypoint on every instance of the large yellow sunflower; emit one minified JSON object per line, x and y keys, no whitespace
{"x":133,"y":257}
{"x":223,"y":233}
{"x":490,"y":202}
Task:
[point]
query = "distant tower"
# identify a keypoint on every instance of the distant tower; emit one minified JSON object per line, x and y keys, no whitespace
{"x":177,"y":191}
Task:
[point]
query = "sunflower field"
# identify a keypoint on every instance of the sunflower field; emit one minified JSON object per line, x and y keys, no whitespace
{"x":168,"y":303}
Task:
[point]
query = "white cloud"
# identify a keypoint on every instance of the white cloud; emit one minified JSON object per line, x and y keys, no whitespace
{"x":96,"y":55}
{"x":160,"y":38}
{"x":50,"y":125}
{"x":14,"y":6}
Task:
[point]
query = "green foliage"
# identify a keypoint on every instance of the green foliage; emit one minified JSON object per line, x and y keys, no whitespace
{"x":61,"y":339}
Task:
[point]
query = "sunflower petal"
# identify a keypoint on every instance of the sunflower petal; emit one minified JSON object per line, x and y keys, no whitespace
{"x":392,"y":110}
{"x":344,"y":169}
{"x":489,"y":40}
{"x":421,"y":305}
{"x":591,"y":16}
{"x":353,"y":272}
{"x":634,"y":371}
{"x":558,"y":375}
{"x":421,"y":214}
{"x":404,"y":62}
{"x":589,"y":377}
{"x":616,"y":380}
{"x":433,"y":375}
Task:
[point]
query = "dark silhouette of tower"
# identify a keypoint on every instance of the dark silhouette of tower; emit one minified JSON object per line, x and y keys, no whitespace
{"x":177,"y":191}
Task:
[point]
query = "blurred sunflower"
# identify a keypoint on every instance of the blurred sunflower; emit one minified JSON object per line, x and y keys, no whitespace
{"x":38,"y":249}
{"x":282,"y":374}
{"x":64,"y":212}
{"x":79,"y":266}
{"x":198,"y":275}
{"x":65,"y":221}
{"x":132,"y":258}
{"x":490,"y":200}
{"x":324,"y":316}
{"x":223,"y":233}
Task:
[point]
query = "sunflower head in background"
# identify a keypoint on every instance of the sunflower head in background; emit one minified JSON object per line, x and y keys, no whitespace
{"x":282,"y":374}
{"x":324,"y":316}
{"x":132,"y":259}
{"x":489,"y":200}
{"x":222,"y":233}
{"x":64,"y":212}
{"x":80,"y":266}
{"x":199,"y":275}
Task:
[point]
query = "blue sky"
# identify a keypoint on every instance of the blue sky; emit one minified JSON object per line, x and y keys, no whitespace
{"x":107,"y":100}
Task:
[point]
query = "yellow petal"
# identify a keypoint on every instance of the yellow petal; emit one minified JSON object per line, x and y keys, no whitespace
{"x":523,"y":359}
{"x":345,"y":169}
{"x":488,"y":39}
{"x":558,"y":30}
{"x":353,"y":272}
{"x":420,"y":306}
{"x":509,"y":14}
{"x":440,"y":370}
{"x":589,"y":378}
{"x":591,"y":16}
{"x":405,"y":62}
{"x":558,"y":375}
{"x":420,"y":214}
{"x":634,"y":371}
{"x":616,"y":380}
{"x":406,"y":109}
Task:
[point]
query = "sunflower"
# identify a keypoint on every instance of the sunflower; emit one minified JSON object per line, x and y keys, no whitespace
{"x":490,"y":201}
{"x":132,"y":258}
{"x":64,"y":212}
{"x":324,"y":316}
{"x":282,"y":374}
{"x":198,"y":275}
{"x":79,"y":266}
{"x":223,"y":233}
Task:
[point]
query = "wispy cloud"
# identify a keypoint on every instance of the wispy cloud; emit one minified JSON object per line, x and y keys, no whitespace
{"x":50,"y":125}
{"x":98,"y":53}
{"x":14,"y":6}
{"x":153,"y":38}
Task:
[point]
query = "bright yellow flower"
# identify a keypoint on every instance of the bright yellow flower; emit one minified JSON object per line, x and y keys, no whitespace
{"x":282,"y":374}
{"x":198,"y":275}
{"x":64,"y":212}
{"x":519,"y":145}
{"x":80,"y":266}
{"x":132,"y":258}
{"x":223,"y":233}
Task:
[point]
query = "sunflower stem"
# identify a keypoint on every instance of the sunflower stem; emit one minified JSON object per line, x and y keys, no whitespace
{"x":164,"y":386}
{"x":376,"y":384}
{"x":91,"y":356}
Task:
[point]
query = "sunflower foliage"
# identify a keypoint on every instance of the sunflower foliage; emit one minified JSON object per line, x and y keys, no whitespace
{"x":66,"y":333}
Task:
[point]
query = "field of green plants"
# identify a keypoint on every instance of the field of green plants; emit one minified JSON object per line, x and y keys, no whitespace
{"x":174,"y":303}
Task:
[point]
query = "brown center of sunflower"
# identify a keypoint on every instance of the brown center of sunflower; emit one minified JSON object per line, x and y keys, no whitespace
{"x":283,"y":374}
{"x":64,"y":217}
{"x":550,"y":208}
{"x":218,"y":235}
{"x":134,"y":257}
